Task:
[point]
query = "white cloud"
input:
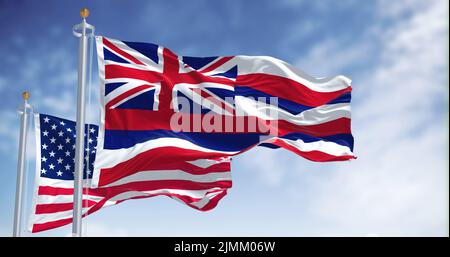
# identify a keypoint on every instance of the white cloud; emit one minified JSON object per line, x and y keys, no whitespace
{"x":98,"y":229}
{"x":264,"y":164}
{"x":399,"y":184}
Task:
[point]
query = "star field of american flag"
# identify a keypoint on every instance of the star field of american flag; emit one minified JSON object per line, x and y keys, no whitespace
{"x":58,"y":138}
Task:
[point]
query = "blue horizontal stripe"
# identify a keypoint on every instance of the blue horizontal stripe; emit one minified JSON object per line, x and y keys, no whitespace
{"x":116,"y":139}
{"x":341,"y":139}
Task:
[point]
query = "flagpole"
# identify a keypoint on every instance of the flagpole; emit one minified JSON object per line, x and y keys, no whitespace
{"x":21,"y":164}
{"x":83,"y":31}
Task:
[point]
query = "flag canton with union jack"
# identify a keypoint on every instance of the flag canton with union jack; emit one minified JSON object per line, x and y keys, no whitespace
{"x":145,"y":76}
{"x":58,"y":137}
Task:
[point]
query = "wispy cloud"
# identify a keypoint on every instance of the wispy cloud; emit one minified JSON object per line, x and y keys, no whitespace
{"x":399,"y":184}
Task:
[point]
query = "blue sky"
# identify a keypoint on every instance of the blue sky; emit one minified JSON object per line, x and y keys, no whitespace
{"x":396,"y":53}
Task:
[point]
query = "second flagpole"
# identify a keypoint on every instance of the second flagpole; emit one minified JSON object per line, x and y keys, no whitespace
{"x":83,"y":31}
{"x":24,"y":111}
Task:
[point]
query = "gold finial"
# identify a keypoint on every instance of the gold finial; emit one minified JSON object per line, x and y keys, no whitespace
{"x":84,"y":13}
{"x":25,"y":95}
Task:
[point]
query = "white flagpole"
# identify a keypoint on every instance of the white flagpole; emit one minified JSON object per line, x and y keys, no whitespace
{"x":21,"y":165}
{"x":83,"y":31}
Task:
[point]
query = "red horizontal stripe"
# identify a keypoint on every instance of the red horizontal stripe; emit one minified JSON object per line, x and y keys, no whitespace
{"x":288,"y":89}
{"x":114,"y":71}
{"x":58,"y":207}
{"x":160,"y":159}
{"x":126,"y":119}
{"x":39,"y":227}
{"x":213,"y":202}
{"x":189,"y":200}
{"x":50,"y":225}
{"x":49,"y":190}
{"x":141,"y":186}
{"x":315,"y":155}
{"x":334,"y":127}
{"x":112,"y":191}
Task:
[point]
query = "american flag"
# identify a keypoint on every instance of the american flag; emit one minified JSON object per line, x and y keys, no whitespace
{"x":53,"y":196}
{"x":142,"y":84}
{"x":53,"y":193}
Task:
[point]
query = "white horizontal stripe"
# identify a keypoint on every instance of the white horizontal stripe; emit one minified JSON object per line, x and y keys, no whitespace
{"x":158,"y":175}
{"x":247,"y":106}
{"x":273,"y":66}
{"x":49,"y":217}
{"x":322,"y":146}
{"x":200,"y":204}
{"x":197,"y":194}
{"x":43,"y":181}
{"x":109,"y":158}
{"x":204,"y":163}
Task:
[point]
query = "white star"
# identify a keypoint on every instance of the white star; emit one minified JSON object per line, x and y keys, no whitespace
{"x":86,"y":158}
{"x":59,"y":160}
{"x":93,"y":151}
{"x":90,"y":140}
{"x":67,"y":140}
{"x":60,"y":147}
{"x":87,"y":149}
{"x":92,"y":130}
{"x":88,"y":172}
{"x":44,"y":159}
{"x":45,"y":133}
{"x":73,"y":146}
{"x":46,"y":119}
{"x":51,"y":166}
{"x":52,"y":140}
{"x":67,"y":153}
{"x":67,"y":167}
{"x":53,"y":127}
{"x":43,"y":171}
{"x":52,"y":154}
{"x":69,"y":130}
{"x":44,"y":146}
{"x":60,"y":133}
{"x":59,"y":173}
{"x":62,"y":123}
